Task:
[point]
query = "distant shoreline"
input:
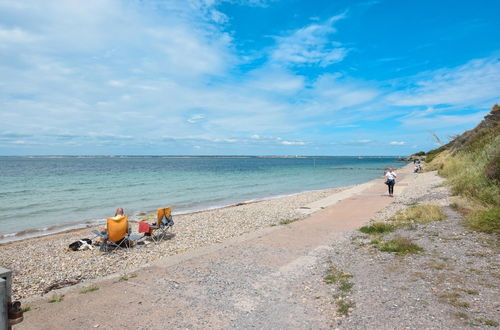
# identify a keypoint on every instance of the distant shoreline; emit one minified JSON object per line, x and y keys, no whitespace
{"x":192,"y":156}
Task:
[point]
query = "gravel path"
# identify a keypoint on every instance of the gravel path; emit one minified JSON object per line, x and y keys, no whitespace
{"x":452,"y":284}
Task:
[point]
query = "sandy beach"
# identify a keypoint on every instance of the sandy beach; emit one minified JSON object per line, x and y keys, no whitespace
{"x":41,"y":264}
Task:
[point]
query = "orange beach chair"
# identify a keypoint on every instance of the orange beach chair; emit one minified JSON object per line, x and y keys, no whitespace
{"x":117,"y":233}
{"x":164,"y":222}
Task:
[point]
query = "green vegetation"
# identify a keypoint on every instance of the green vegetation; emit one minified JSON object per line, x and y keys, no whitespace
{"x":334,"y":275}
{"x":487,"y":221}
{"x":452,"y":299}
{"x":471,"y":164}
{"x":341,"y":279}
{"x":491,"y":323}
{"x":56,"y":298}
{"x":414,"y":214}
{"x":126,"y":278}
{"x":469,"y":291}
{"x":344,"y":306}
{"x":286,"y":222}
{"x":89,"y":289}
{"x":345,"y":286}
{"x":377,"y":228}
{"x":462,"y":304}
{"x":400,"y":245}
{"x":462,"y":315}
{"x":26,"y":309}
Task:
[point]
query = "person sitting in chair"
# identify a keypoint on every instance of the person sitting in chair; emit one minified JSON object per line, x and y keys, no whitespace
{"x":119,"y":214}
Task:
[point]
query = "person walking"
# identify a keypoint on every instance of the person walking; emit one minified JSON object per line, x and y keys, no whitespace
{"x":390,"y":181}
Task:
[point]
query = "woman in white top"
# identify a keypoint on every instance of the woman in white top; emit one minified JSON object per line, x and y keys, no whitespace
{"x":390,"y":181}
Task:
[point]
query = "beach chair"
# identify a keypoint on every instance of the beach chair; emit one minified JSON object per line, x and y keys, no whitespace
{"x":117,"y":235}
{"x":164,"y":222}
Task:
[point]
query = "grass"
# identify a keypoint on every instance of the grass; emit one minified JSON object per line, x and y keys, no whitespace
{"x":126,"y":278}
{"x":491,"y":323}
{"x":423,"y":213}
{"x":462,"y":315}
{"x":345,"y":286}
{"x":400,"y":245}
{"x":487,"y":221}
{"x":377,"y":228}
{"x":344,"y":306}
{"x":341,"y":279}
{"x":89,"y":289}
{"x":26,"y":309}
{"x":462,"y":304}
{"x":471,"y":292}
{"x":56,"y":298}
{"x":286,"y":222}
{"x":334,"y":275}
{"x":471,"y":164}
{"x":452,"y":299}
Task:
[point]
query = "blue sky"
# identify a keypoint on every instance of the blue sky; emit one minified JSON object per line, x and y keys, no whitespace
{"x":252,"y":77}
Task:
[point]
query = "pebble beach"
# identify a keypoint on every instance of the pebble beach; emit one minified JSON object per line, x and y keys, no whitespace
{"x":42,"y":264}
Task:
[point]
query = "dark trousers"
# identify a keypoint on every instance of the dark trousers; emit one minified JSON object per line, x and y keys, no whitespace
{"x":391,"y":187}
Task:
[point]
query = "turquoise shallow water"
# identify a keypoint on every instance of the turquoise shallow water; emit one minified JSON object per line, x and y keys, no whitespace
{"x":43,"y":194}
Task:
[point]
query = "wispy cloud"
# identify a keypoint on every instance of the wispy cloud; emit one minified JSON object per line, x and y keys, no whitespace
{"x":397,"y":143}
{"x":293,"y":143}
{"x":474,"y":82}
{"x":443,"y":121}
{"x":310,"y":45}
{"x":195,"y":118}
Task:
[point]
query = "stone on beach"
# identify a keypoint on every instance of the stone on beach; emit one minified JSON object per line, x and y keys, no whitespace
{"x":43,"y":263}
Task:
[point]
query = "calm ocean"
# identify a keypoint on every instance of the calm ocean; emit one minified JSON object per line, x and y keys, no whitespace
{"x":45,"y":194}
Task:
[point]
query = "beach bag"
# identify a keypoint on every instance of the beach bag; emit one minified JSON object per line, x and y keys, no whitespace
{"x":143,"y":227}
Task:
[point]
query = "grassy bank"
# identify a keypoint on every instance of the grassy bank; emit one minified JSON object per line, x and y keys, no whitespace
{"x":471,"y":164}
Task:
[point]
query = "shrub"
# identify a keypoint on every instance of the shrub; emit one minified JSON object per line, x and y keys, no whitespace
{"x":472,"y":174}
{"x":487,"y":221}
{"x":400,"y":245}
{"x":423,"y":213}
{"x":377,"y":227}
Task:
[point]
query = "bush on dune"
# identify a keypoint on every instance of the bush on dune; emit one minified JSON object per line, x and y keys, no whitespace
{"x":471,"y":165}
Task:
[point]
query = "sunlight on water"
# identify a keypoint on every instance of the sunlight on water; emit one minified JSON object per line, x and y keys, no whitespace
{"x":42,"y":192}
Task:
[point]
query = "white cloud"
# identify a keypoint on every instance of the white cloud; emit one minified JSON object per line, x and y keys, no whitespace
{"x":275,"y":80}
{"x":347,"y":126}
{"x":195,"y":118}
{"x":310,"y":45}
{"x":477,"y":81}
{"x":255,"y":137}
{"x":397,"y":143}
{"x":443,"y":121}
{"x":15,"y":35}
{"x":293,"y":143}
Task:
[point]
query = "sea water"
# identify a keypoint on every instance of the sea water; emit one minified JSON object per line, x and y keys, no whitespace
{"x":45,"y":194}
